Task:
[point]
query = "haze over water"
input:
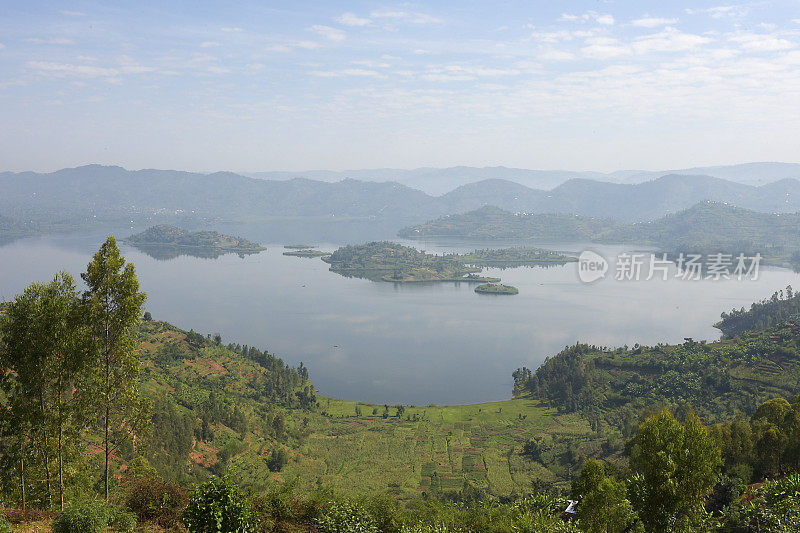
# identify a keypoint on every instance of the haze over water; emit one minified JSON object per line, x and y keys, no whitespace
{"x":387,"y":343}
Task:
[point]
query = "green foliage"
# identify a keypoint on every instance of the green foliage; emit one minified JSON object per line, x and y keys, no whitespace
{"x":44,"y":347}
{"x":774,"y":509}
{"x":5,"y":527}
{"x":346,"y":517}
{"x":494,"y":288}
{"x":781,"y":307}
{"x":154,"y":499}
{"x":114,"y":305}
{"x":93,"y":517}
{"x":674,"y":467}
{"x":388,"y":261}
{"x":606,"y":509}
{"x":277,"y":459}
{"x":218,"y":506}
{"x":163,"y":242}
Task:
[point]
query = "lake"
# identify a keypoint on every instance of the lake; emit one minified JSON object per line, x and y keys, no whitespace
{"x":386,"y":343}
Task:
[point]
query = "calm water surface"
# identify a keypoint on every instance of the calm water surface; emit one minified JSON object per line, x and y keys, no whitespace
{"x":386,"y":343}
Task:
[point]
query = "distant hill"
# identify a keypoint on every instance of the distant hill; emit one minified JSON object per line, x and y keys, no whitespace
{"x":439,"y":181}
{"x":706,"y":227}
{"x":94,"y":193}
{"x":494,"y":223}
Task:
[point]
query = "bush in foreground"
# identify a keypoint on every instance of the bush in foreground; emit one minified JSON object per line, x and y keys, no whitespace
{"x":218,"y":505}
{"x":93,"y":517}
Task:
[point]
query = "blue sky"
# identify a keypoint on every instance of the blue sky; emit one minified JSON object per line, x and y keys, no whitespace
{"x":252,"y":86}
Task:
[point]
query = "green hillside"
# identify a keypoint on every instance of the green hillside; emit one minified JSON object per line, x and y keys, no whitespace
{"x":705,"y":228}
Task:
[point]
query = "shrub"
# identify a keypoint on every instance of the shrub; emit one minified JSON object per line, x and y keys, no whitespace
{"x":218,"y":506}
{"x":83,"y":517}
{"x":156,"y":500}
{"x":5,"y":527}
{"x":343,"y":517}
{"x":278,"y":459}
{"x":121,"y":519}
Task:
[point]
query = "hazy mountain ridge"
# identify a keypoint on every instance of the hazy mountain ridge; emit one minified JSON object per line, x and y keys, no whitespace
{"x":94,"y":192}
{"x":438,"y":181}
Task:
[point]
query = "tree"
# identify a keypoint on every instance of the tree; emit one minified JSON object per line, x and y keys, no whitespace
{"x":44,"y":347}
{"x":674,"y":467}
{"x":114,"y":305}
{"x":606,"y":508}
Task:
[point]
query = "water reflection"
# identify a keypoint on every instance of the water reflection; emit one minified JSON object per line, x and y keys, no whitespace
{"x":400,"y":343}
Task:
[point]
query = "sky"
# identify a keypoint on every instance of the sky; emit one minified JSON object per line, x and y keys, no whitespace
{"x":256,"y":86}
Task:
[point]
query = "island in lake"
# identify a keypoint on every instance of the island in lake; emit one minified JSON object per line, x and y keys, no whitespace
{"x":495,"y":288}
{"x":306,"y":253}
{"x":389,"y":261}
{"x":299,"y":246}
{"x":516,"y":256}
{"x":168,"y":242}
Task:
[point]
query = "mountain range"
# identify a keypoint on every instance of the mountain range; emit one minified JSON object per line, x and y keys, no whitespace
{"x":437,"y":181}
{"x":94,"y":192}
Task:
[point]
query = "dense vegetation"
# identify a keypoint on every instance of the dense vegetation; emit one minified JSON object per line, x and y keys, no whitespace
{"x":496,"y":288}
{"x":305,"y":252}
{"x":782,"y":306}
{"x":202,"y":242}
{"x":388,"y":261}
{"x":514,"y":257}
{"x":704,"y":228}
{"x":494,"y":223}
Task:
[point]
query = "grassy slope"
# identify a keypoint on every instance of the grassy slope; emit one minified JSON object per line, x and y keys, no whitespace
{"x":366,"y":453}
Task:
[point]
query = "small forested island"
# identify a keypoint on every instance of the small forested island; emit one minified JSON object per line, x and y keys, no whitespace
{"x":516,"y":256}
{"x":166,"y":242}
{"x":495,"y":288}
{"x":389,"y":261}
{"x":299,"y":246}
{"x":306,"y":253}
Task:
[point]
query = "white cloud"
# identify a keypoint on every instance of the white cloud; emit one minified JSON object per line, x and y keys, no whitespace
{"x":351,"y":19}
{"x":84,"y":71}
{"x":556,"y":55}
{"x":668,"y":40}
{"x":278,"y":48}
{"x":605,"y":48}
{"x":370,"y":64}
{"x":234,"y":29}
{"x":761,"y":42}
{"x":561,"y":35}
{"x":358,"y":72}
{"x":307,"y":45}
{"x":332,"y":34}
{"x":209,"y":44}
{"x":73,"y":13}
{"x":2,"y":46}
{"x":606,"y":20}
{"x":603,"y":19}
{"x":720,"y":12}
{"x":50,"y":40}
{"x":416,"y":18}
{"x":653,"y":22}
